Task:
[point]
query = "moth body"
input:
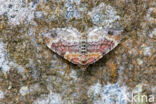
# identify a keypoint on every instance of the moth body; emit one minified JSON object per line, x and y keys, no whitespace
{"x":83,"y":49}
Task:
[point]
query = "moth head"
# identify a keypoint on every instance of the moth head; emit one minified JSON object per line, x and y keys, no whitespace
{"x":114,"y":34}
{"x":110,"y":32}
{"x":53,"y":34}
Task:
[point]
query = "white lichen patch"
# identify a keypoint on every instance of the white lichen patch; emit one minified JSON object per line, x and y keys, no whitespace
{"x":73,"y":1}
{"x":138,"y":88}
{"x":67,"y":1}
{"x":34,"y":88}
{"x":151,"y":19}
{"x":19,"y":68}
{"x":1,"y":94}
{"x":73,"y":75}
{"x":4,"y":60}
{"x":104,"y":15}
{"x":153,"y":89}
{"x":52,"y":98}
{"x":24,"y":90}
{"x":146,"y":50}
{"x":108,"y":94}
{"x":17,"y":11}
{"x":140,"y":61}
{"x":153,"y":33}
{"x":69,"y":10}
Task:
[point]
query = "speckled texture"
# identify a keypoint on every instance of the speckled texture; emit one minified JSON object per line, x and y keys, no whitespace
{"x":31,"y":73}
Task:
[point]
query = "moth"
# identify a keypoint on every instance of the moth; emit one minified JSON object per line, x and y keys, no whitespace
{"x":84,"y":48}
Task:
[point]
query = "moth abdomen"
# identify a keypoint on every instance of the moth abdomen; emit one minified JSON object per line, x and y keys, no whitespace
{"x":83,"y":45}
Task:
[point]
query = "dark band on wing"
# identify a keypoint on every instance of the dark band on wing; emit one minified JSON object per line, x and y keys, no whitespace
{"x":61,"y":48}
{"x":102,"y":47}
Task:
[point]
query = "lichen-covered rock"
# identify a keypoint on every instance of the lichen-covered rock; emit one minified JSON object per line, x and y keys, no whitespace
{"x":31,"y":73}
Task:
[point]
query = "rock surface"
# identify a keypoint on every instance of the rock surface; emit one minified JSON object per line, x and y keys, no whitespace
{"x":30,"y":73}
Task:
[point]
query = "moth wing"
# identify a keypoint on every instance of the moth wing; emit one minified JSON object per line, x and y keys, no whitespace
{"x":100,"y":42}
{"x":65,"y":42}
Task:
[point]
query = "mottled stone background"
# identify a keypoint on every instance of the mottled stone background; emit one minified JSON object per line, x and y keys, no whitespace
{"x":30,"y":73}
